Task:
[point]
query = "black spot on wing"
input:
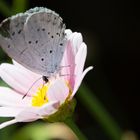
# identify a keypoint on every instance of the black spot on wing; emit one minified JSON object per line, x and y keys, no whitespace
{"x":29,"y":42}
{"x":42,"y":59}
{"x":61,"y":44}
{"x":58,"y":34}
{"x":13,"y":33}
{"x":43,"y":29}
{"x":19,"y":31}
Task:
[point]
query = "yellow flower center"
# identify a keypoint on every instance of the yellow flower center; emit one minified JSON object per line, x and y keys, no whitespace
{"x":40,"y":97}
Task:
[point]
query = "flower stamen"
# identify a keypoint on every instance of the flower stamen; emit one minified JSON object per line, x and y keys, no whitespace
{"x":40,"y":98}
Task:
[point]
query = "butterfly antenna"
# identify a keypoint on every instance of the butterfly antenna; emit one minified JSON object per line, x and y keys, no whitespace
{"x":31,"y":88}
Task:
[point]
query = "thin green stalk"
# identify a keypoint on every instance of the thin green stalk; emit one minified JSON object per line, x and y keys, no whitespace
{"x":98,"y":112}
{"x":75,"y":129}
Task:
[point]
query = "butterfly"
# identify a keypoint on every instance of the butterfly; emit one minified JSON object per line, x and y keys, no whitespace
{"x":36,"y":39}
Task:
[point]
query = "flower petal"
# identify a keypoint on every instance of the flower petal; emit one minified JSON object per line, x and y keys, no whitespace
{"x":35,"y":75}
{"x":9,"y":97}
{"x":9,"y":111}
{"x":80,"y":59}
{"x":49,"y":108}
{"x":27,"y":115}
{"x":78,"y":82}
{"x":74,"y":43}
{"x":33,"y":113}
{"x":7,"y":123}
{"x":76,"y":39}
{"x":58,"y":91}
{"x":19,"y":79}
{"x":68,"y":64}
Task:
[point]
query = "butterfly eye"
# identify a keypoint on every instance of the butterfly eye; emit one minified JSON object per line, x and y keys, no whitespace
{"x":51,"y":51}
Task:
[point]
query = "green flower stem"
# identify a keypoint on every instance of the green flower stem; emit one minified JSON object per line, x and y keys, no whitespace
{"x":99,"y":113}
{"x":75,"y":129}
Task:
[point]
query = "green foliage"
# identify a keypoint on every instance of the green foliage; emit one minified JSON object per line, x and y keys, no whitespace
{"x":42,"y":131}
{"x":34,"y":131}
{"x":97,"y":110}
{"x":19,"y":6}
{"x":16,"y":7}
{"x":5,"y":9}
{"x":5,"y":134}
{"x":3,"y":83}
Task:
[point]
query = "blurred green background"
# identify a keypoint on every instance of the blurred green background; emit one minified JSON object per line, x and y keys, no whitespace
{"x":108,"y":100}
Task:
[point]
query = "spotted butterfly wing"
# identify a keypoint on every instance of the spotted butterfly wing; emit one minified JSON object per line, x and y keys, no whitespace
{"x":12,"y":35}
{"x":35,"y":39}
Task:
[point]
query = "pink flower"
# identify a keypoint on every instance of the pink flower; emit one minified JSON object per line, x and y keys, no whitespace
{"x":42,"y":100}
